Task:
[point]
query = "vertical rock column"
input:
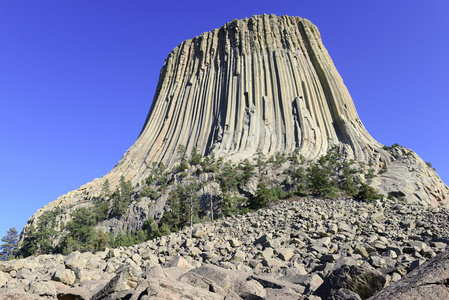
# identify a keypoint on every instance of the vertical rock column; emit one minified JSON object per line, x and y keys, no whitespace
{"x":264,"y":84}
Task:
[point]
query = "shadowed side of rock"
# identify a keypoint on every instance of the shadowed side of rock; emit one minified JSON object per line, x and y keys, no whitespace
{"x":428,"y":281}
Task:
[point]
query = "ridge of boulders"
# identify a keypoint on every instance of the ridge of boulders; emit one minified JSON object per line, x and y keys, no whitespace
{"x":304,"y":248}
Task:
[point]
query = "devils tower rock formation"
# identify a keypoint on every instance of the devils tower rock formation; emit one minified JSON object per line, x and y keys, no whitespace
{"x":262,"y":84}
{"x":259,"y":85}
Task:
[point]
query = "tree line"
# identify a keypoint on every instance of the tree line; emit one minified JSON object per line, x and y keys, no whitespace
{"x":331,"y":176}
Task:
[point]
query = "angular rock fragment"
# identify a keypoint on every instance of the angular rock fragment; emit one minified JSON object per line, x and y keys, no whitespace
{"x":361,"y":280}
{"x":428,"y":281}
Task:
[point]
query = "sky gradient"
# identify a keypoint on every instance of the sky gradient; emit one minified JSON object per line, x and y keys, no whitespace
{"x":77,"y":79}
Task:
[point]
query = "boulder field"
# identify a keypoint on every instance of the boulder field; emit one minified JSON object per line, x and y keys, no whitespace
{"x":303,"y":248}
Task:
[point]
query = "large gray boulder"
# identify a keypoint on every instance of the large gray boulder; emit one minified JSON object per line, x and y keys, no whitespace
{"x":358,"y":279}
{"x":428,"y":281}
{"x":229,"y":281}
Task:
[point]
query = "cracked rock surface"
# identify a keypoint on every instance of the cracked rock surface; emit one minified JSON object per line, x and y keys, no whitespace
{"x":429,"y":281}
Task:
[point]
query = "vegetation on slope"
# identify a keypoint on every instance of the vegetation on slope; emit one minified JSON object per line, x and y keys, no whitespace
{"x":243,"y":187}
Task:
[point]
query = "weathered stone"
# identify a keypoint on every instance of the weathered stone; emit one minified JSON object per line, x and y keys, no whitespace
{"x":178,"y":262}
{"x":358,"y":279}
{"x":239,"y":256}
{"x":114,"y":253}
{"x":188,"y":243}
{"x":344,"y":294}
{"x":25,"y":274}
{"x":439,"y":245}
{"x":3,"y":279}
{"x":75,"y":260}
{"x":288,"y":230}
{"x":285,"y":254}
{"x":416,"y":263}
{"x":333,"y":229}
{"x":319,"y":249}
{"x":376,"y":217}
{"x":427,"y":281}
{"x":234,"y":243}
{"x":197,"y":233}
{"x":125,"y":279}
{"x":419,"y":245}
{"x":284,"y":282}
{"x":14,"y":265}
{"x":396,"y":250}
{"x":136,"y":258}
{"x":229,"y":280}
{"x":162,"y":241}
{"x":409,"y":224}
{"x":263,"y":239}
{"x":345,"y":227}
{"x":330,"y":257}
{"x":379,"y":246}
{"x":255,"y":263}
{"x":65,"y":276}
{"x":41,"y":288}
{"x":377,"y":261}
{"x":194,"y":251}
{"x":209,"y":256}
{"x":390,"y":254}
{"x":203,"y":282}
{"x":148,"y":255}
{"x":76,"y":293}
{"x":274,"y":243}
{"x":272,"y":262}
{"x":361,"y":250}
{"x":409,"y":250}
{"x":267,"y":253}
{"x":312,"y":282}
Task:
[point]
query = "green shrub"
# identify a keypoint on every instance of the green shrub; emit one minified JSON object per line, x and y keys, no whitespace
{"x":149,"y":192}
{"x":195,"y":157}
{"x":368,"y":193}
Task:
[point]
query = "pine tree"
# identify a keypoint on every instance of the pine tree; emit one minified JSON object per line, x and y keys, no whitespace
{"x":9,"y":246}
{"x":29,"y":244}
{"x":81,"y":229}
{"x":151,"y":228}
{"x":247,"y":169}
{"x":101,"y":209}
{"x":122,"y":197}
{"x":182,"y":156}
{"x":101,"y":240}
{"x":262,"y":196}
{"x":125,"y":189}
{"x":39,"y":240}
{"x":195,"y":157}
{"x":174,"y":218}
{"x":260,"y":161}
{"x":228,"y":205}
{"x":105,"y":189}
{"x":191,"y":195}
{"x":368,"y":193}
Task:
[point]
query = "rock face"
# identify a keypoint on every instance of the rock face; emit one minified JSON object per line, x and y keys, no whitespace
{"x":429,"y":281}
{"x":264,"y":84}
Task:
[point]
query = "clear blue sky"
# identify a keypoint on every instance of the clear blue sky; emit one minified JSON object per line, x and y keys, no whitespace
{"x":77,"y":79}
